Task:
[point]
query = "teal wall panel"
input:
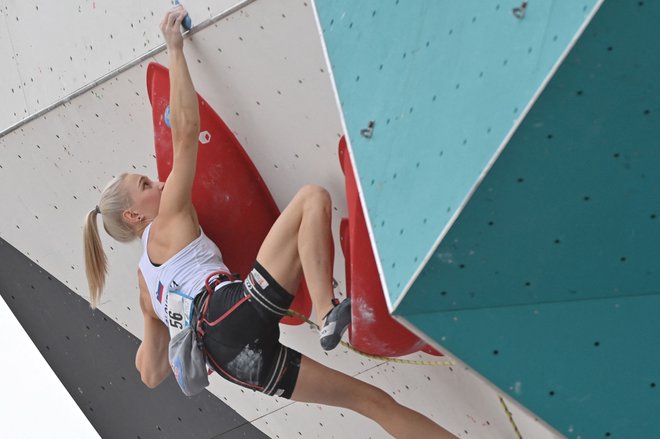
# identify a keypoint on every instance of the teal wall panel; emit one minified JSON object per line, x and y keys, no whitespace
{"x":444,"y":82}
{"x":549,"y":281}
{"x":571,"y":210}
{"x":590,"y":368}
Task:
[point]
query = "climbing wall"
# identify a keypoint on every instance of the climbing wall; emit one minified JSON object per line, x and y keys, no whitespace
{"x":527,"y":247}
{"x":78,"y":42}
{"x":574,"y":198}
{"x":77,"y":114}
{"x":442,"y":101}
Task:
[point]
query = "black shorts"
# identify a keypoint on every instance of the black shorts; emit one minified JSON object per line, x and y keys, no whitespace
{"x":243,"y":346}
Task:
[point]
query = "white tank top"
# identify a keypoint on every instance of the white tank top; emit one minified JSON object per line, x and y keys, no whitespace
{"x":185,"y":272}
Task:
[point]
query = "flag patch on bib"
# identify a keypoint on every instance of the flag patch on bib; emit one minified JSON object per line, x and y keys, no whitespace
{"x":159,"y":293}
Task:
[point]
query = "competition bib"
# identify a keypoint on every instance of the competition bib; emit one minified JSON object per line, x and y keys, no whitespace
{"x":187,"y":360}
{"x":179,"y":309}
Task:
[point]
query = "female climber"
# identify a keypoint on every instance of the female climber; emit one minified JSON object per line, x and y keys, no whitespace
{"x":244,"y":346}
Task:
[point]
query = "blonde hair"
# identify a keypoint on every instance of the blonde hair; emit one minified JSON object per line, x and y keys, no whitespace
{"x":114,"y":200}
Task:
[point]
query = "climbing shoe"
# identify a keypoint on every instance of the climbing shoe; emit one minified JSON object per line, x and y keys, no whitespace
{"x":335,"y":324}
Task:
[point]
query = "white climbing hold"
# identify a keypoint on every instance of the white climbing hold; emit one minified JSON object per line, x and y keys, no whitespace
{"x":204,"y":137}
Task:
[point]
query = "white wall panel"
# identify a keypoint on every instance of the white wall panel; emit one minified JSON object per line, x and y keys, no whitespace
{"x":53,"y":170}
{"x":60,"y":46}
{"x":13,"y":101}
{"x":262,"y":69}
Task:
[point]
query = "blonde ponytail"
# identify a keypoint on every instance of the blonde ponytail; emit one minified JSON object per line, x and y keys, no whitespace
{"x":96,"y":262}
{"x":114,"y":200}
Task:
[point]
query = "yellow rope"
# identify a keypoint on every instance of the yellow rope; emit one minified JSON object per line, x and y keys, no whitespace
{"x":508,"y":413}
{"x":447,"y":363}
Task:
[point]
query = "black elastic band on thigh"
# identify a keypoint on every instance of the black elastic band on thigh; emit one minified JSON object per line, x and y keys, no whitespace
{"x":285,"y":374}
{"x":267,"y":292}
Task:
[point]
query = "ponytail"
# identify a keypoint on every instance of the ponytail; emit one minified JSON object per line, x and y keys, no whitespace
{"x":96,"y":262}
{"x":114,"y":200}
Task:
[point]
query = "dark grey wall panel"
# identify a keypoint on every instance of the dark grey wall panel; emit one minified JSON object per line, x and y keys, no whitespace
{"x":95,"y":360}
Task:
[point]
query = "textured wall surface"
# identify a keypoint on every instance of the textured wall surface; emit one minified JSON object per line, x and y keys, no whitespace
{"x":56,"y":48}
{"x":545,"y":279}
{"x":445,"y":83}
{"x":263,"y":70}
{"x":548,"y":282}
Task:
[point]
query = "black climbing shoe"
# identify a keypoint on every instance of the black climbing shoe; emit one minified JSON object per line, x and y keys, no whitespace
{"x":336,"y":323}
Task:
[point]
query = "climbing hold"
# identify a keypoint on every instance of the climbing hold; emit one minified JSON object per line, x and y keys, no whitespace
{"x":167,"y":117}
{"x":204,"y":137}
{"x":225,"y":179}
{"x":519,"y":12}
{"x":369,"y":131}
{"x":187,"y":21}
